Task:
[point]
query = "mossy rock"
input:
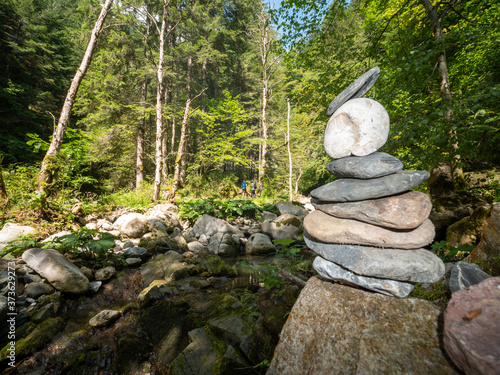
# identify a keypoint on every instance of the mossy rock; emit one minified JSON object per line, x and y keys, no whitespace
{"x":468,"y":230}
{"x":37,"y":339}
{"x":159,"y":245}
{"x":212,"y":265}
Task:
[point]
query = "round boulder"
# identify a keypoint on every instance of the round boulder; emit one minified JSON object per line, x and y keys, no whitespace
{"x":133,"y":225}
{"x":259,"y":243}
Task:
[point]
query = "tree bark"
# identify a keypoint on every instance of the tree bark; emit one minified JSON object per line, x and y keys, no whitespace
{"x":444,"y":88}
{"x":141,"y":128}
{"x":4,"y":198}
{"x":48,"y":166}
{"x":159,"y":109}
{"x":290,"y":169}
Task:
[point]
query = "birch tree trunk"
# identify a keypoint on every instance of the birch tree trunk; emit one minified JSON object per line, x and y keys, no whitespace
{"x":48,"y":165}
{"x":444,"y":87}
{"x":290,"y":169}
{"x":159,"y":111}
{"x":141,"y":128}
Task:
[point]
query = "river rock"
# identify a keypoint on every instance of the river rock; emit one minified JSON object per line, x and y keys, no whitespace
{"x":135,"y":252}
{"x":284,"y":226}
{"x":349,"y":189}
{"x":104,"y":318}
{"x":166,"y":212}
{"x":375,"y":165}
{"x":105,"y":273}
{"x":335,"y":329}
{"x":289,"y":207}
{"x":332,"y":271}
{"x":209,"y":225}
{"x":35,"y":290}
{"x":12,"y":231}
{"x":359,"y":127}
{"x":463,"y":275}
{"x":133,"y":225}
{"x":224,"y":245}
{"x":418,"y":266}
{"x":471,"y":329}
{"x":405,"y":211}
{"x":59,"y":272}
{"x":329,"y":229}
{"x":259,"y":243}
{"x":164,"y":266}
{"x":356,"y":90}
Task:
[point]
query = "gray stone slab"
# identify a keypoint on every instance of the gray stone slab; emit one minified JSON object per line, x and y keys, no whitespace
{"x":463,"y":275}
{"x":375,"y":165}
{"x":356,"y":90}
{"x":350,"y":189}
{"x":418,"y":266}
{"x":332,"y":271}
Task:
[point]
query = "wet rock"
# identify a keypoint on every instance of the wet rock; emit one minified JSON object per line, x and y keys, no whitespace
{"x":289,"y":207}
{"x":325,"y":228}
{"x":463,"y":275}
{"x":163,"y":266}
{"x":418,"y":266}
{"x":94,"y":286}
{"x":332,"y":271}
{"x":375,"y":165}
{"x":234,"y":331}
{"x":135,"y":252}
{"x":213,"y":265}
{"x":209,"y":225}
{"x":59,"y":272}
{"x":199,"y":358}
{"x":356,"y":90}
{"x":223,"y":244}
{"x":105,"y":273}
{"x":133,"y":225}
{"x":284,"y":226}
{"x":105,"y":318}
{"x":336,"y":329}
{"x":259,"y":244}
{"x":359,"y":127}
{"x":471,"y":330}
{"x":35,"y":290}
{"x":132,"y":262}
{"x":348,"y":189}
{"x":405,"y":211}
{"x":12,"y":231}
{"x":158,"y":290}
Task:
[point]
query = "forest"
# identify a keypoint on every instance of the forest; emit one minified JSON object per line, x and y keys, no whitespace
{"x":190,"y":98}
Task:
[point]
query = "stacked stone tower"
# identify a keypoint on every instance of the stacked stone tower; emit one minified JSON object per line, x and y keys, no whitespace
{"x":369,"y":229}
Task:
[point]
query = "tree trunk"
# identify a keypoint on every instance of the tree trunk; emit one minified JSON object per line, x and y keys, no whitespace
{"x":445,"y":89}
{"x":4,"y":199}
{"x":289,"y":152}
{"x":48,"y":166}
{"x":159,"y":111}
{"x":141,"y":128}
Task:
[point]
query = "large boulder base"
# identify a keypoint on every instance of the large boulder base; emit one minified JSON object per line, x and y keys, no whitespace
{"x":336,"y":329}
{"x":59,"y":271}
{"x":471,"y":329}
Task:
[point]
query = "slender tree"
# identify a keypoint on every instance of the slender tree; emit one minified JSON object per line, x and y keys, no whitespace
{"x":48,"y":166}
{"x":290,"y":167}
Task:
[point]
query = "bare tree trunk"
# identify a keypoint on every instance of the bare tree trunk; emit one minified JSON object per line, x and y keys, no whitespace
{"x":290,"y":170}
{"x":47,"y":169}
{"x":297,"y":182}
{"x":4,"y":198}
{"x":139,"y":169}
{"x":445,"y":88}
{"x":159,"y":109}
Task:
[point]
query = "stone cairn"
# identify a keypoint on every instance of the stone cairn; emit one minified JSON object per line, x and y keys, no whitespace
{"x":368,"y":228}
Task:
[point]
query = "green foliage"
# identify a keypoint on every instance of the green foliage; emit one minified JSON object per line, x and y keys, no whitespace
{"x":439,"y":294}
{"x":85,"y":242}
{"x":192,"y":209}
{"x":448,"y":252}
{"x":18,"y":246}
{"x":290,"y":249}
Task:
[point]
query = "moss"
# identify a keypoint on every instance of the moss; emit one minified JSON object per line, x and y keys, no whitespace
{"x":37,"y":339}
{"x":439,"y":294}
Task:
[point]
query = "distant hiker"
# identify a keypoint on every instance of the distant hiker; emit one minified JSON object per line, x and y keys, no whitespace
{"x":244,"y":188}
{"x":253,"y":187}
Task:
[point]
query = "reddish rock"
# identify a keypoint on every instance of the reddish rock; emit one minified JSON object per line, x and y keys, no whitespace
{"x":405,"y":211}
{"x":329,"y":229}
{"x":472,"y":330}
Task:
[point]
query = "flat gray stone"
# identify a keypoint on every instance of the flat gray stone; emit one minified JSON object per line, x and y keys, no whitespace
{"x":135,"y":252}
{"x":418,"y":266}
{"x":104,"y":318}
{"x":59,"y":271}
{"x":329,"y":229}
{"x":360,"y":127}
{"x":105,"y":273}
{"x":335,"y":329}
{"x":332,"y":271}
{"x":356,"y":90}
{"x":375,"y":165}
{"x":35,"y":290}
{"x":404,"y":211}
{"x":349,"y":190}
{"x":463,"y":275}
